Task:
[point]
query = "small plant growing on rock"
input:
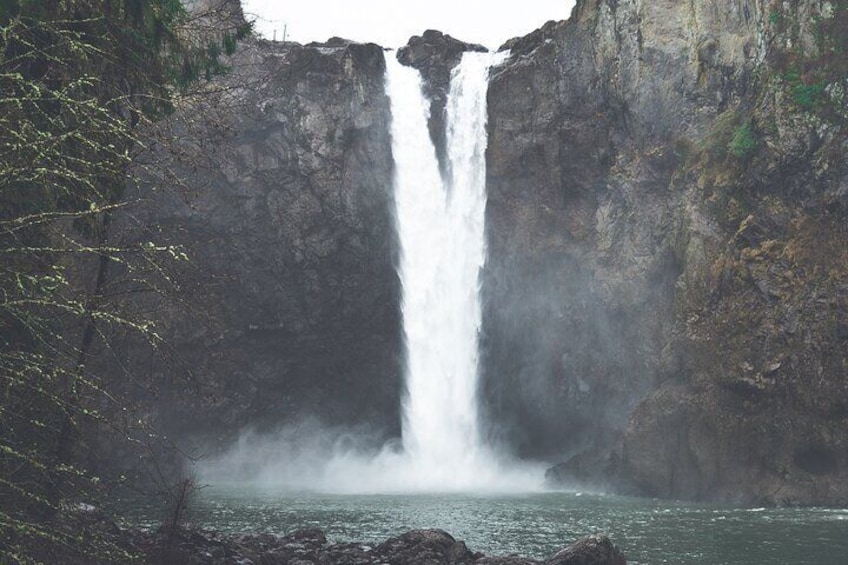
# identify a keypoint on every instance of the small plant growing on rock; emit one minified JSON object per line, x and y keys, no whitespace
{"x":744,"y":142}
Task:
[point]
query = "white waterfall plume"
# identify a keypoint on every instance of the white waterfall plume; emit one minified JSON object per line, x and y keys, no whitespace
{"x":441,"y":229}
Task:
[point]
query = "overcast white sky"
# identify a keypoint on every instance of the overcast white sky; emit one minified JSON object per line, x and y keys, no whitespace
{"x":392,"y":23}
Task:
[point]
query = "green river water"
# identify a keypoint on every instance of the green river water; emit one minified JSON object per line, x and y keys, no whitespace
{"x":649,"y":532}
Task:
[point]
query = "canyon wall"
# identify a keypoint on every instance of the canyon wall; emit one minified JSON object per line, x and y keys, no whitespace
{"x":666,"y":286}
{"x":666,"y":295}
{"x":277,"y":189}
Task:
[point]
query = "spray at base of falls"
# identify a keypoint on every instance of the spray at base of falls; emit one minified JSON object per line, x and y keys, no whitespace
{"x":441,"y":228}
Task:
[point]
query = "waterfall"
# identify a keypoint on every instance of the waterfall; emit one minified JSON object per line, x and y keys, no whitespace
{"x":442,"y":236}
{"x":441,"y":228}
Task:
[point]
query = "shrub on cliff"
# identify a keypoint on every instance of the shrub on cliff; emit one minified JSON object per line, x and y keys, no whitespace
{"x":743,"y":143}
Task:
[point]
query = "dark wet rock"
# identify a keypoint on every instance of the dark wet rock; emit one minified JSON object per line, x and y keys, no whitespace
{"x":592,"y":469}
{"x":580,"y":265}
{"x":417,"y":547}
{"x":591,"y":550}
{"x":435,"y":54}
{"x":289,"y":300}
{"x":424,"y":546}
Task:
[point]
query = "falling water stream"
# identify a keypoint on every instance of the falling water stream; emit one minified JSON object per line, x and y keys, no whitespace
{"x":441,"y":230}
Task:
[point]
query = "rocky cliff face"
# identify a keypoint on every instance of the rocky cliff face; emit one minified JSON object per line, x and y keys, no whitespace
{"x":665,"y":291}
{"x":289,"y":306}
{"x":666,"y":294}
{"x":434,"y":55}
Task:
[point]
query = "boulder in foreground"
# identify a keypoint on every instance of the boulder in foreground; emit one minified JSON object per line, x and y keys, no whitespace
{"x":416,"y":547}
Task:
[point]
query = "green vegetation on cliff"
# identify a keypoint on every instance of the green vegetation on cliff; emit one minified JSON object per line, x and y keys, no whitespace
{"x":764,"y":308}
{"x":812,"y":60}
{"x":743,"y":143}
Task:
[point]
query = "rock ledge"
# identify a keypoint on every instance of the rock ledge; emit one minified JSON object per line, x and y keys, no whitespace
{"x":431,"y":547}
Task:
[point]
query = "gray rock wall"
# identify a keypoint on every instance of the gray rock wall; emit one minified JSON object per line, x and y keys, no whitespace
{"x":657,"y":176}
{"x":281,"y":198}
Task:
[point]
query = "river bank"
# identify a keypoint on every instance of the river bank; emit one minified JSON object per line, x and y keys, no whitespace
{"x":431,"y":547}
{"x":95,"y":538}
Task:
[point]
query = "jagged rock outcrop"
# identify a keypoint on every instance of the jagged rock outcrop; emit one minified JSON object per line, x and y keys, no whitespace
{"x":560,"y":300}
{"x":283,"y":206}
{"x":435,"y":54}
{"x":590,"y":550}
{"x":191,"y":545}
{"x":664,"y":290}
{"x":416,"y":547}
